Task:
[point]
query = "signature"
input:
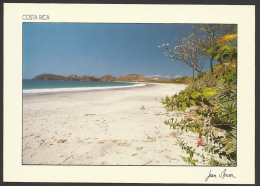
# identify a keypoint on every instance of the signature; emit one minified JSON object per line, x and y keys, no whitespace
{"x":221,"y":175}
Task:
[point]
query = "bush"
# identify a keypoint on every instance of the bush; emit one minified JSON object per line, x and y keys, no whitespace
{"x":216,"y":97}
{"x":216,"y":65}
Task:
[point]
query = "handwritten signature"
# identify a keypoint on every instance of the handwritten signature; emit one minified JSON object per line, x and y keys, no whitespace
{"x":221,"y":175}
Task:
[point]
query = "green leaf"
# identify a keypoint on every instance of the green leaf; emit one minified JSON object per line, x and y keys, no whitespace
{"x":210,"y":50}
{"x":188,"y":103}
{"x":197,"y":130}
{"x":191,"y":129}
{"x":233,"y":73}
{"x":217,"y":57}
{"x":206,"y":102}
{"x":195,"y":94}
{"x":198,"y":103}
{"x":209,"y":92}
{"x":225,"y":56}
{"x":184,"y":105}
{"x":193,"y":102}
{"x":226,"y":51}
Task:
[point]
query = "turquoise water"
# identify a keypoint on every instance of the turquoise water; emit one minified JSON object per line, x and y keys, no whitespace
{"x":50,"y":86}
{"x":41,"y":84}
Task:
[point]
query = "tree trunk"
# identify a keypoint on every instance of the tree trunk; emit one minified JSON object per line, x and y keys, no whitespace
{"x":211,"y":66}
{"x":211,"y":59}
{"x":192,"y":73}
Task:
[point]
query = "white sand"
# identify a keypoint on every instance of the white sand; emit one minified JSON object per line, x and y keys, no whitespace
{"x":102,"y":128}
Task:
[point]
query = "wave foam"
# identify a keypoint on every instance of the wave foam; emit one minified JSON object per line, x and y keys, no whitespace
{"x":76,"y":89}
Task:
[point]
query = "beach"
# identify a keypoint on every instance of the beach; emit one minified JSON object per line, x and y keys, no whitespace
{"x":105,"y":127}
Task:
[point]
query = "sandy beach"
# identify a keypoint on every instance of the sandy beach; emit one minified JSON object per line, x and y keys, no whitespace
{"x":108,"y":127}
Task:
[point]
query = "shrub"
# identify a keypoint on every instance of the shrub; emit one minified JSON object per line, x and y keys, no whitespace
{"x":216,"y":95}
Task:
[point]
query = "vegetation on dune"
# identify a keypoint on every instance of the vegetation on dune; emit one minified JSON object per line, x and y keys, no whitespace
{"x":210,"y":103}
{"x":182,"y":80}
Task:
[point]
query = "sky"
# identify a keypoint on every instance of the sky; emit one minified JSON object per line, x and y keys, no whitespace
{"x":98,"y":49}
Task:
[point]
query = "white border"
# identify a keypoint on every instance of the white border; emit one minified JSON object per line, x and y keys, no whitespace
{"x":242,"y":15}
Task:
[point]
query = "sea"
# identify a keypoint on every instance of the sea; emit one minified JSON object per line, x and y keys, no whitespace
{"x":35,"y":87}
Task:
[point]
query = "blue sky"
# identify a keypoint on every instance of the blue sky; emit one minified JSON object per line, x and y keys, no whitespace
{"x":96,"y":49}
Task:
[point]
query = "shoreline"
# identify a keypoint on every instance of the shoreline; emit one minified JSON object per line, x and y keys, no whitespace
{"x":107,"y":127}
{"x":44,"y":91}
{"x":71,"y":92}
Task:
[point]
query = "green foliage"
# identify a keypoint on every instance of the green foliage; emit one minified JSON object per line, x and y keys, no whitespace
{"x":204,"y":79}
{"x":217,"y":151}
{"x":179,"y":80}
{"x":184,"y":125}
{"x":208,"y":92}
{"x":200,"y":75}
{"x":217,"y":103}
{"x":233,"y":138}
{"x":195,"y":94}
{"x":216,"y":65}
{"x":214,"y":95}
{"x":189,"y":151}
{"x":222,"y":53}
{"x":182,"y":80}
{"x":189,"y":97}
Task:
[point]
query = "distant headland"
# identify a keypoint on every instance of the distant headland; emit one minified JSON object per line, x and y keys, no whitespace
{"x":108,"y":78}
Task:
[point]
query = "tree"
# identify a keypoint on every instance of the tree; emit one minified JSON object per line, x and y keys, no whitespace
{"x":189,"y":51}
{"x":214,"y":32}
{"x":224,"y":48}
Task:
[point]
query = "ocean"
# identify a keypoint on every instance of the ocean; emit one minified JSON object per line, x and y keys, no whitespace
{"x":32,"y":87}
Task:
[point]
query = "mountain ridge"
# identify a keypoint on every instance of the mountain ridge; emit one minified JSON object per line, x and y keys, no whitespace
{"x":108,"y":78}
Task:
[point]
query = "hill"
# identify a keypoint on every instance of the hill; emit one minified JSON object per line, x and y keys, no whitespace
{"x":131,"y":78}
{"x":68,"y":78}
{"x":49,"y":77}
{"x":107,"y":78}
{"x":127,"y":78}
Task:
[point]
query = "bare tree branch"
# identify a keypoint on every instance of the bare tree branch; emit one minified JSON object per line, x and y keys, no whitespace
{"x":189,"y":51}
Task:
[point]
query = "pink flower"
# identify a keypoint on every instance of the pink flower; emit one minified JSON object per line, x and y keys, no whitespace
{"x":199,"y":143}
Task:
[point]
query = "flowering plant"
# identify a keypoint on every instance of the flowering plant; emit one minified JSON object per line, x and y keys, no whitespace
{"x":199,"y":143}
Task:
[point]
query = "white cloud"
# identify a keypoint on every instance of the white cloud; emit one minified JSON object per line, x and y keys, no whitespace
{"x":158,"y":75}
{"x":163,"y":77}
{"x":177,"y":76}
